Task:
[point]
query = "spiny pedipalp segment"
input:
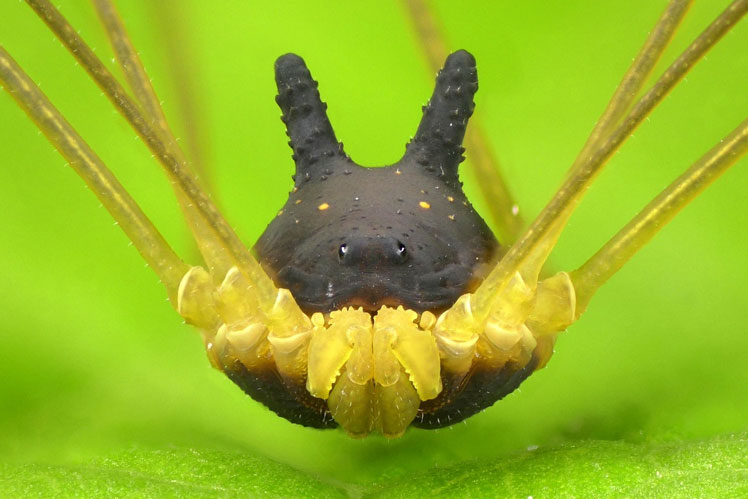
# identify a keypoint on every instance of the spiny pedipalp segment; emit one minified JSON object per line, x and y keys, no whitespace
{"x":305,"y":116}
{"x":437,"y":145}
{"x":373,"y":372}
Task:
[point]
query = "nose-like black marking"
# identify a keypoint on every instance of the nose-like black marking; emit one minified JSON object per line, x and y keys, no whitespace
{"x":371,"y":253}
{"x":398,"y":234}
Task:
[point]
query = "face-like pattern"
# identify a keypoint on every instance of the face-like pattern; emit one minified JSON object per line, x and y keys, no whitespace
{"x":398,"y":235}
{"x":376,"y":236}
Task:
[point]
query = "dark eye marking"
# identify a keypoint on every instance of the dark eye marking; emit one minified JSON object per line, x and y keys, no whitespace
{"x":351,"y":228}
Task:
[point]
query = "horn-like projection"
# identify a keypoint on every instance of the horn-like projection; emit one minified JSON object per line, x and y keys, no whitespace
{"x":437,"y":145}
{"x":304,"y":114}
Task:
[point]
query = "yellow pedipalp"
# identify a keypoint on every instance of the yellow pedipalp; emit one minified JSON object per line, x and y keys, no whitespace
{"x":386,"y":366}
{"x":342,"y":343}
{"x":413,"y":348}
{"x":374,"y":376}
{"x":361,"y":363}
{"x":329,"y":350}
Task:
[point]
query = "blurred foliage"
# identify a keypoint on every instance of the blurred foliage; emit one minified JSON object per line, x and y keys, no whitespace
{"x":104,"y":392}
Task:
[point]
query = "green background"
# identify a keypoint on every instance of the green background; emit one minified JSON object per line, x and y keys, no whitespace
{"x":104,"y":391}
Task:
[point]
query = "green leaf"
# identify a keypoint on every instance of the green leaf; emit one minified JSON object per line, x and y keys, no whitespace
{"x":165,"y":473}
{"x":714,"y":468}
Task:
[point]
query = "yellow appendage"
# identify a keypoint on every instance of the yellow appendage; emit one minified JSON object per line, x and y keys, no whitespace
{"x":375,"y":370}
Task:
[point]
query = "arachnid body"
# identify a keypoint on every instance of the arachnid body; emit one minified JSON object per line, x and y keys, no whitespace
{"x":373,"y":256}
{"x":394,"y":246}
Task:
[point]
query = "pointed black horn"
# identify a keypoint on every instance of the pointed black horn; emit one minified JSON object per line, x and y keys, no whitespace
{"x":312,"y":138}
{"x":437,"y":145}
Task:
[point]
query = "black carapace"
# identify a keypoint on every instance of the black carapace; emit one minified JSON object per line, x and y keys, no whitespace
{"x":403,"y":234}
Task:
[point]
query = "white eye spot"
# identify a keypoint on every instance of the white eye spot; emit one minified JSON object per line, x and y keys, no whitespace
{"x":515,"y":209}
{"x":402,"y":250}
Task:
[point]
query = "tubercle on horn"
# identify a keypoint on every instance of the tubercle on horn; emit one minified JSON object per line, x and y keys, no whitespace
{"x":305,"y":115}
{"x":436,"y":147}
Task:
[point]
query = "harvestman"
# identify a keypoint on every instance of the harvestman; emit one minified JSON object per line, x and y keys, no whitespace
{"x":380,"y":366}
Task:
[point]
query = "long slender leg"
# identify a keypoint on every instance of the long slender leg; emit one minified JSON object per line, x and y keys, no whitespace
{"x":137,"y":78}
{"x":493,"y":186}
{"x":494,"y":189}
{"x":134,"y":70}
{"x":176,"y":170}
{"x":245,"y":309}
{"x":178,"y":50}
{"x":132,"y":66}
{"x":661,"y":210}
{"x":635,"y":77}
{"x":149,"y":242}
{"x":512,"y":310}
{"x":535,"y":244}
